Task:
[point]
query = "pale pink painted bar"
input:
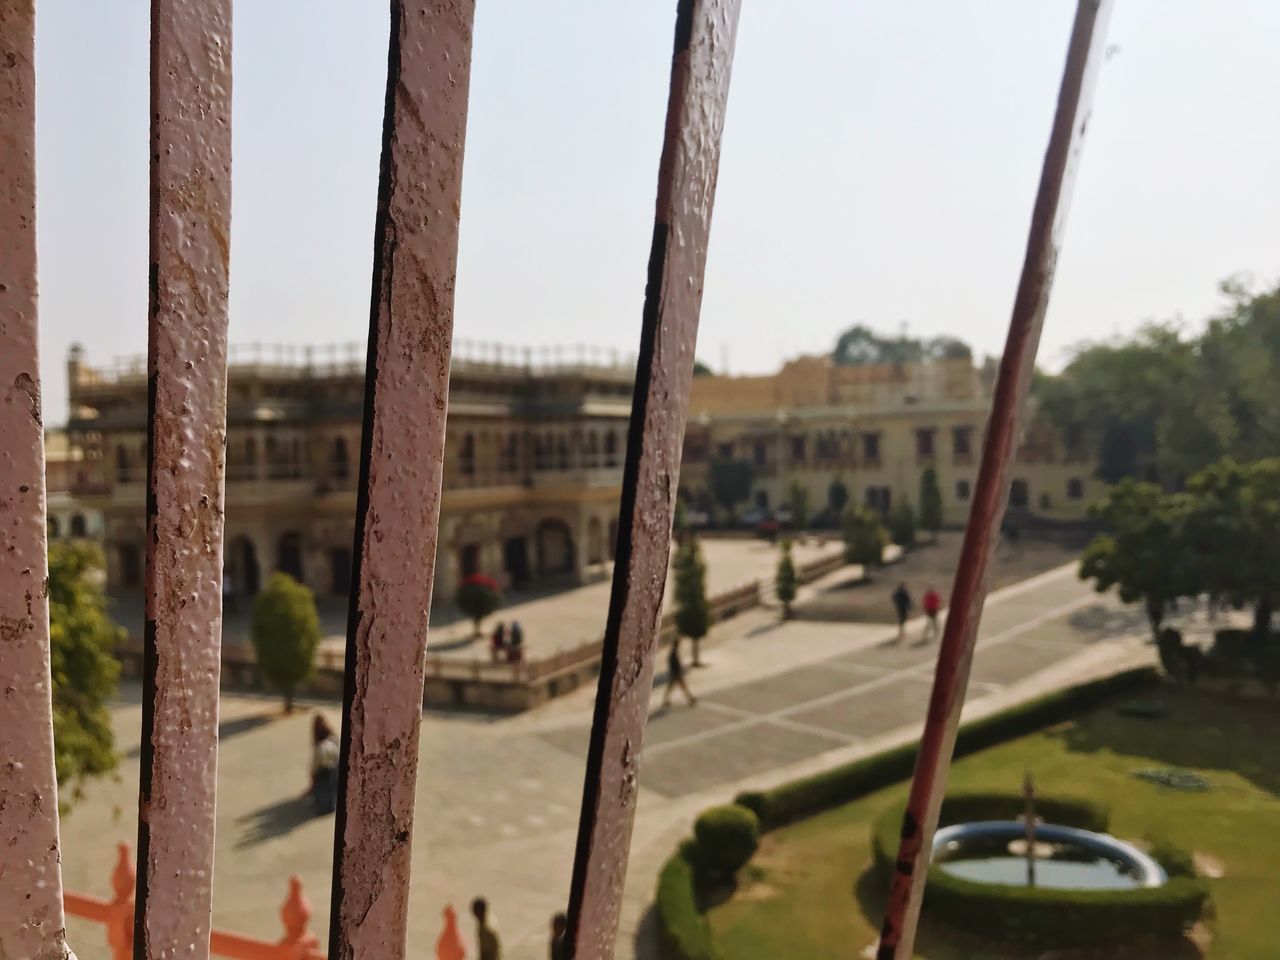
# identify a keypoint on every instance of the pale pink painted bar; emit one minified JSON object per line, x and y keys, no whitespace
{"x":700,"y":69}
{"x":31,"y":924}
{"x":187,"y":352}
{"x":402,"y":466}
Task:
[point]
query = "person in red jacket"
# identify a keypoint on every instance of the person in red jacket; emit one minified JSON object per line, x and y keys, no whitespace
{"x":930,"y":603}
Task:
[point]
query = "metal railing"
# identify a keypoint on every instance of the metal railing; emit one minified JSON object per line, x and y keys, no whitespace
{"x":401,"y":471}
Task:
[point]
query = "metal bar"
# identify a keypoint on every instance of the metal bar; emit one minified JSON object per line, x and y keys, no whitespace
{"x":401,"y":471}
{"x":186,"y":427}
{"x":700,"y":68}
{"x":31,"y":912}
{"x":955,"y":655}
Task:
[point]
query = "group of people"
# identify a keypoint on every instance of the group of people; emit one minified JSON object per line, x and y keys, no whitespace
{"x":488,"y":947}
{"x":507,"y":644}
{"x":930,"y":605}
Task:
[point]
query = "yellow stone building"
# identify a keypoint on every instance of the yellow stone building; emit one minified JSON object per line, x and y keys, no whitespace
{"x":533,"y":463}
{"x":876,"y":428}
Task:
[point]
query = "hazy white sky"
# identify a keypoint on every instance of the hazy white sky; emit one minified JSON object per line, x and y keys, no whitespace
{"x":879,"y":166}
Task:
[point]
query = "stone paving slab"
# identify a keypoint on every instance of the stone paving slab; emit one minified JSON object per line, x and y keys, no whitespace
{"x":1010,"y":662}
{"x":871,"y":712}
{"x":787,"y":689}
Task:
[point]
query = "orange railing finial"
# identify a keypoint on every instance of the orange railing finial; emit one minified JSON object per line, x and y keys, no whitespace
{"x":120,"y":917}
{"x":295,"y":912}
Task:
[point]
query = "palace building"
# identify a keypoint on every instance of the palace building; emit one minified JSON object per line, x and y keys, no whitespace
{"x":533,"y":464}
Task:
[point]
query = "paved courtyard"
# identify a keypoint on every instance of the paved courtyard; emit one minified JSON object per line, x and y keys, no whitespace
{"x":498,"y":797}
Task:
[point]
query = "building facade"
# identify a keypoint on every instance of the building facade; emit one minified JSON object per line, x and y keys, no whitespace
{"x":533,"y":464}
{"x":876,"y":429}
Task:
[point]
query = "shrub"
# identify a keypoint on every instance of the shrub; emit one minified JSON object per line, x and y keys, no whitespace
{"x":285,"y":633}
{"x":477,"y":597}
{"x":784,"y":580}
{"x":849,"y":781}
{"x":727,"y":837}
{"x":902,"y":525}
{"x":682,"y":928}
{"x":1041,"y":917}
{"x":864,"y":537}
{"x":1176,"y":861}
{"x":1172,"y":653}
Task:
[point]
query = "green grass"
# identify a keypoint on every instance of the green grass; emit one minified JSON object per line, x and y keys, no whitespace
{"x":808,"y":892}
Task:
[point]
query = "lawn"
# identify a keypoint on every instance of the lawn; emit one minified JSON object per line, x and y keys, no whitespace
{"x":808,"y":892}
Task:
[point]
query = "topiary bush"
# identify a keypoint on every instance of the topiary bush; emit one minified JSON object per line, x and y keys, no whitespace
{"x":285,"y":633}
{"x":902,"y":525}
{"x":477,"y":597}
{"x":1176,"y":861}
{"x":727,"y":836}
{"x":683,"y":929}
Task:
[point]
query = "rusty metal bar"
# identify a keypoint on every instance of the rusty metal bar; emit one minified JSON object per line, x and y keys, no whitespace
{"x":700,"y":68}
{"x":955,"y":655}
{"x":31,"y":915}
{"x":401,"y":471}
{"x":186,"y":427}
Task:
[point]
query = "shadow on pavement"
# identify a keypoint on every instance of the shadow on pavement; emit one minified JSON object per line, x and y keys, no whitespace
{"x":226,"y":730}
{"x":275,"y":820}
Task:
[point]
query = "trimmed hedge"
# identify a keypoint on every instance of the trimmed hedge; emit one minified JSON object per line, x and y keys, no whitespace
{"x":727,"y":837}
{"x":1043,"y":917}
{"x":842,"y":784}
{"x":683,"y":928}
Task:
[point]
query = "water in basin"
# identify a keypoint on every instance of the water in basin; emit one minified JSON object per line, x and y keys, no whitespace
{"x":1069,"y":867}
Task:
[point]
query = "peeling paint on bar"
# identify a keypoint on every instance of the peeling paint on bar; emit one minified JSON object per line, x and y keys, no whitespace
{"x":955,"y":655}
{"x":401,"y":471}
{"x":703,"y":56}
{"x":187,"y":367}
{"x":31,"y":917}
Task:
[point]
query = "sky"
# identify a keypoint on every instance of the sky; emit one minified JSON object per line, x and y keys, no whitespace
{"x":879,"y":166}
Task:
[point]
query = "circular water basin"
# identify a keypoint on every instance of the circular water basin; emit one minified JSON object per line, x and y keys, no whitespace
{"x":1067,"y":858}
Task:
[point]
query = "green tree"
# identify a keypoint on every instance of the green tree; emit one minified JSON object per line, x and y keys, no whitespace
{"x":1234,"y":534}
{"x":730,"y":482}
{"x":930,"y":502}
{"x":864,"y":537}
{"x":81,"y":639}
{"x":1144,"y":551}
{"x":286,"y":634}
{"x":837,"y":498}
{"x":785,"y":580}
{"x":681,"y":518}
{"x":902,"y":524}
{"x":700,"y":369}
{"x":693,"y":614}
{"x":477,"y":597}
{"x":860,"y":346}
{"x":798,"y":503}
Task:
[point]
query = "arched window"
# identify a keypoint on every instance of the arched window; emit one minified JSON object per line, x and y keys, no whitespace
{"x":341,"y":460}
{"x":78,"y":527}
{"x":53,"y":528}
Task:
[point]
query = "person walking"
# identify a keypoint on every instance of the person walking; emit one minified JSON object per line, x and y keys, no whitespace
{"x":675,"y":677}
{"x":559,"y":928}
{"x":498,"y":642}
{"x":488,"y":947}
{"x":902,"y":605}
{"x":324,"y":765}
{"x":930,"y":603}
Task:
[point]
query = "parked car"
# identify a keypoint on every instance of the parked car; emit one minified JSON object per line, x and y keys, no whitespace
{"x":754,"y":517}
{"x":697,"y":518}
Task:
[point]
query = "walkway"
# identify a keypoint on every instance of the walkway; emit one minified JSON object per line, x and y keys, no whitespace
{"x":498,"y":798}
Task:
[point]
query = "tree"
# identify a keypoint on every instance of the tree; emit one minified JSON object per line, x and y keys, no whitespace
{"x":864,"y":537}
{"x":785,"y":580}
{"x":81,"y":640}
{"x":1143,"y":551}
{"x":477,"y":597}
{"x":930,"y":502}
{"x":798,"y":502}
{"x":837,"y":498}
{"x":693,"y":614}
{"x":1234,"y":533}
{"x":286,"y":634}
{"x":700,"y":369}
{"x":902,"y":524}
{"x":731,"y":482}
{"x":681,"y":519}
{"x":861,"y":346}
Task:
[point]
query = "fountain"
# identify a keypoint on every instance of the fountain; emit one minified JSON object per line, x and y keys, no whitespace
{"x":1027,"y":852}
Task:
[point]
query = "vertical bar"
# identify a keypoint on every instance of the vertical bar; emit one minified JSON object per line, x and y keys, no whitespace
{"x":703,"y":55}
{"x":186,"y":435}
{"x":991,"y":492}
{"x":401,"y":471}
{"x":31,"y":918}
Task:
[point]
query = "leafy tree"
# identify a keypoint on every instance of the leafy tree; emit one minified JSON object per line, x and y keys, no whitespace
{"x":700,"y":369}
{"x":1234,"y":533}
{"x":930,"y":502}
{"x":837,"y":497}
{"x":286,"y":634}
{"x":693,"y":614}
{"x":1144,"y":549}
{"x":864,"y":537}
{"x":477,"y":597}
{"x":798,"y":502}
{"x":785,"y":580}
{"x":902,"y":524}
{"x":731,"y":482}
{"x":681,"y":520}
{"x":861,"y":346}
{"x":81,"y":639}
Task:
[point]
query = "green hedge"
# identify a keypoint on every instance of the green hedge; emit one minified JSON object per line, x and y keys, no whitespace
{"x":726,"y":837}
{"x":850,"y":781}
{"x":683,"y":928}
{"x":1041,"y":917}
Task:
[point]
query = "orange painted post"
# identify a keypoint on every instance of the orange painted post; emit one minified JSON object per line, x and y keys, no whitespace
{"x":299,"y":942}
{"x":449,"y":946}
{"x":120,"y":918}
